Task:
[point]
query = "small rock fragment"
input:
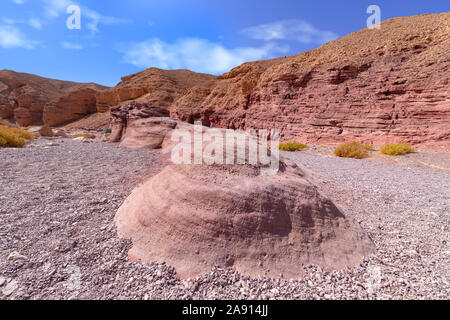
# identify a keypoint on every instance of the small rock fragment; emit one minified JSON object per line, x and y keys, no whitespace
{"x":46,"y":132}
{"x":16,"y":256}
{"x":61,"y":133}
{"x":10,"y":288}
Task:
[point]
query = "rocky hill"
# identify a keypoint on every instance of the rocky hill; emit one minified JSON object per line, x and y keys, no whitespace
{"x":372,"y":85}
{"x":154,"y":86}
{"x":34,"y":100}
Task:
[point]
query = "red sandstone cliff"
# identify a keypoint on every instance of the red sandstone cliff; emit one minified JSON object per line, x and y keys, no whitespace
{"x":34,"y":100}
{"x":372,"y":85}
{"x":154,"y":86}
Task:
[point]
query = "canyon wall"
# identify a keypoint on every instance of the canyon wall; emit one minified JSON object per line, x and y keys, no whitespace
{"x":32,"y":100}
{"x":374,"y":86}
{"x":153,"y":86}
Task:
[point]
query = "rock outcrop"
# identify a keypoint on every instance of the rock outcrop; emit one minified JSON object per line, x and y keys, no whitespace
{"x":196,"y":216}
{"x":139,"y":125}
{"x":33,"y":100}
{"x":46,"y":132}
{"x":70,"y":107}
{"x":153,"y":86}
{"x":93,"y":122}
{"x":375,"y":86}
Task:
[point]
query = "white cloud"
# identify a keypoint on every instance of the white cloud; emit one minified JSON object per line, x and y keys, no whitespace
{"x":19,"y":1}
{"x":11,"y":37}
{"x":11,"y":21}
{"x":71,"y":46}
{"x":35,"y":23}
{"x":54,"y":8}
{"x":296,"y":30}
{"x":195,"y":54}
{"x":96,"y":18}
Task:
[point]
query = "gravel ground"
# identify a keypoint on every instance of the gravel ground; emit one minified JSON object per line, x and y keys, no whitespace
{"x":58,"y":241}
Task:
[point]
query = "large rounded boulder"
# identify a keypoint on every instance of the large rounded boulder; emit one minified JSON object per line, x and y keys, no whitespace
{"x":196,"y":216}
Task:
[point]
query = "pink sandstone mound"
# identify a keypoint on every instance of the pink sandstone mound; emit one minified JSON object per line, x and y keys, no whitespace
{"x":196,"y":216}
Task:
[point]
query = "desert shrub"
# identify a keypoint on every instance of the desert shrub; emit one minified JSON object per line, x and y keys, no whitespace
{"x":292,"y":146}
{"x":3,"y":142}
{"x":354,"y":150}
{"x":84,"y":135}
{"x":107,"y":130}
{"x":23,"y":133}
{"x":368,"y":147}
{"x":10,"y":139}
{"x":396,"y":149}
{"x":14,"y":137}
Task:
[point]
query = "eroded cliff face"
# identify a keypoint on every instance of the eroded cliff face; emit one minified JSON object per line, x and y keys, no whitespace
{"x":373,"y":86}
{"x":153,"y":86}
{"x":33,"y":100}
{"x":70,"y":107}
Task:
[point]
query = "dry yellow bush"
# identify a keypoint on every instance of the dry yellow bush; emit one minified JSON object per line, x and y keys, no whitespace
{"x":354,"y":150}
{"x":3,"y":142}
{"x":396,"y":149}
{"x":292,"y":146}
{"x":14,"y":137}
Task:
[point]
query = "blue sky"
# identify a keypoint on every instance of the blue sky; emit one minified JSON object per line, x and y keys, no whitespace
{"x":120,"y":37}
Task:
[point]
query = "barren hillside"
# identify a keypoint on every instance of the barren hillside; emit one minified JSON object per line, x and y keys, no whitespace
{"x":31,"y":99}
{"x":154,"y":86}
{"x":372,"y":85}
